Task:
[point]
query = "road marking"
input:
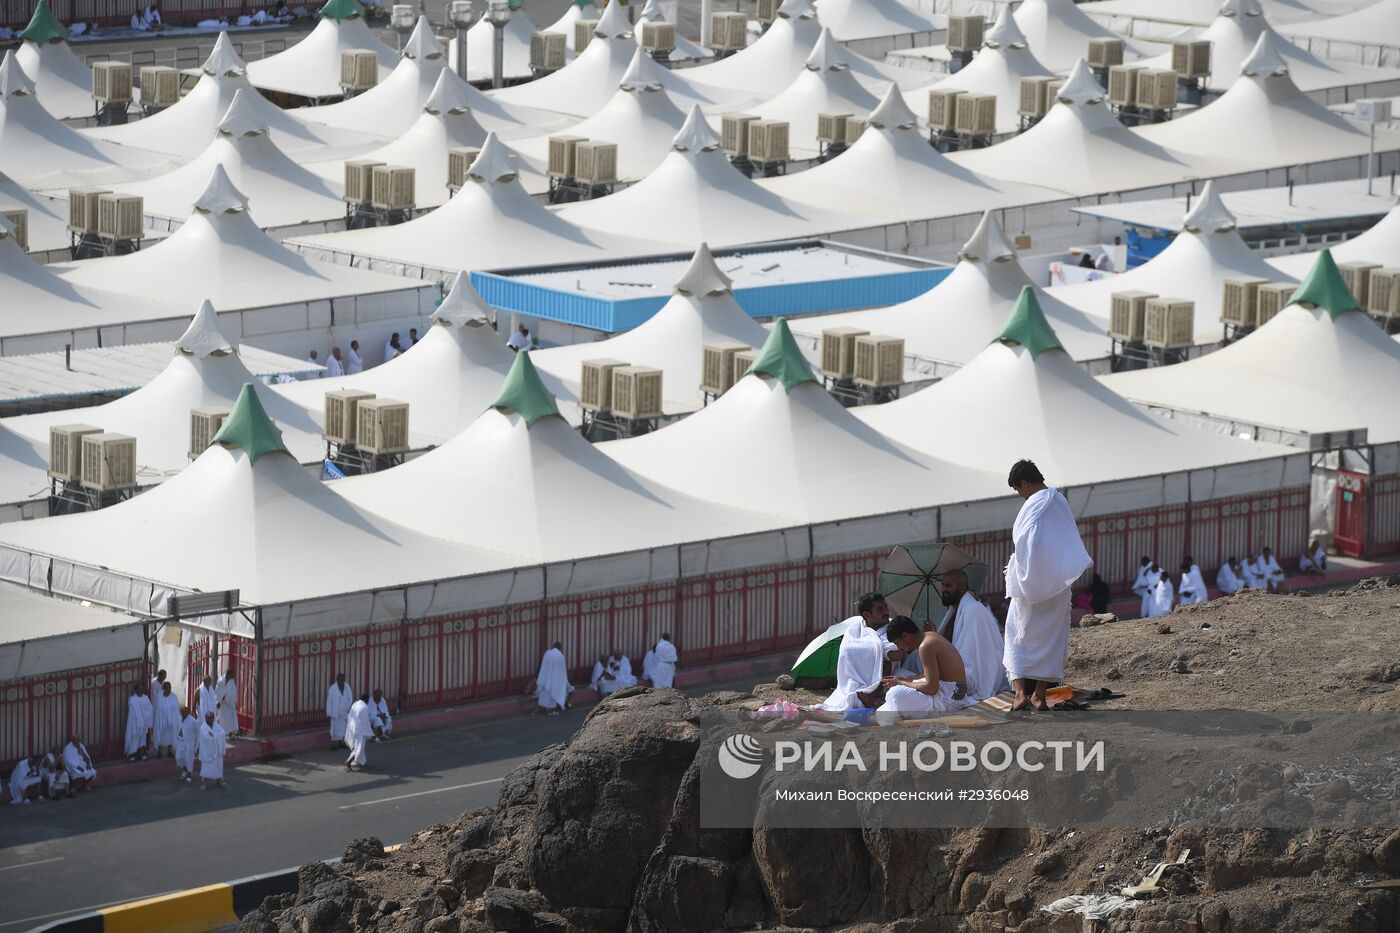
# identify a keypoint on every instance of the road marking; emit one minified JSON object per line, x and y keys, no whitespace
{"x":42,"y":861}
{"x":421,"y":793}
{"x":72,"y":911}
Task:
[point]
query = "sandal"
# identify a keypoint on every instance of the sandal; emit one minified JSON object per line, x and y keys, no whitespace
{"x":1069,"y":706}
{"x":1103,"y":693}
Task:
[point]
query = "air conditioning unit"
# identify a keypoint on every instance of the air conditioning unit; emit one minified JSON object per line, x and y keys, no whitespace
{"x":339,"y":421}
{"x":1239,"y":305}
{"x":381,"y":426}
{"x":743,"y":361}
{"x":595,"y":162}
{"x":18,"y":219}
{"x":1052,"y":91}
{"x":879,"y":361}
{"x":636,"y":392}
{"x":359,"y":180}
{"x":1105,"y":53}
{"x":459,"y":160}
{"x":1191,"y":58}
{"x":1127,"y":315}
{"x":657,"y":37}
{"x":204,"y":424}
{"x":1156,"y":90}
{"x":1271,"y":299}
{"x":595,"y":384}
{"x":965,"y":33}
{"x":583,"y":33}
{"x":160,"y":86}
{"x":359,"y":69}
{"x":66,"y":450}
{"x":854,"y":127}
{"x":729,"y":32}
{"x":1034,"y":101}
{"x":1383,"y":293}
{"x":82,"y":209}
{"x":839,"y":351}
{"x":548,"y":51}
{"x":943,"y":108}
{"x":976,"y":114}
{"x":831,"y":127}
{"x":1169,"y":323}
{"x":1356,"y":276}
{"x":111,"y":82}
{"x":734,"y":133}
{"x":391,"y":188}
{"x":120,"y":217}
{"x":561,"y":155}
{"x":768,"y":141}
{"x":717,"y":366}
{"x":1122,"y":85}
{"x":109,"y":462}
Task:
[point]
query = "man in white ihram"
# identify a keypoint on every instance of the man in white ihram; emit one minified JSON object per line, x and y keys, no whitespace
{"x":941,"y":689}
{"x":664,"y":673}
{"x":211,"y":752}
{"x":187,"y":744}
{"x":552,"y":683}
{"x":1143,"y":587}
{"x":207,"y":700}
{"x":974,"y":633}
{"x":1048,"y":557}
{"x":167,"y":724}
{"x":860,"y":667}
{"x":1228,"y":579}
{"x":140,"y":716}
{"x":1163,"y":595}
{"x":339,"y":699}
{"x":1193,"y":590}
{"x":358,"y":731}
{"x":227,"y":692}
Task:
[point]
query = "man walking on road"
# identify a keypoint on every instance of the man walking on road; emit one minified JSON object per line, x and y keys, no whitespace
{"x":358,"y":731}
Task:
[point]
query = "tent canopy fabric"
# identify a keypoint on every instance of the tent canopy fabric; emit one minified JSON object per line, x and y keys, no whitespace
{"x":523,"y":393}
{"x":1380,"y":244}
{"x":850,"y":20}
{"x":781,"y":359}
{"x":1027,"y":326}
{"x":1375,"y":23}
{"x":47,"y":220}
{"x":63,"y":82}
{"x":998,"y":69}
{"x":249,"y":429}
{"x":1324,"y":288}
{"x":311,"y":68}
{"x":44,"y":28}
{"x":1058,"y":32}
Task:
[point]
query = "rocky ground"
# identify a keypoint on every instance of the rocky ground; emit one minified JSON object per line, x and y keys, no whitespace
{"x":603,"y":833}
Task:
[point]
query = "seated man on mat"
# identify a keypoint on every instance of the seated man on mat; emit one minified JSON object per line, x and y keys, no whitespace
{"x":943,"y":687}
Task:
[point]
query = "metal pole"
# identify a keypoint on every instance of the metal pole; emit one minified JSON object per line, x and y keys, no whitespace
{"x":461,"y":53}
{"x":1371,"y":161}
{"x":706,"y":7}
{"x":498,"y":54}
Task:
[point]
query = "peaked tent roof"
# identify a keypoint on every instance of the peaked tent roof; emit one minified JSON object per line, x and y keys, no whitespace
{"x":1005,"y":59}
{"x":575,"y":11}
{"x":850,"y":20}
{"x":341,"y":10}
{"x":249,"y":429}
{"x":1027,"y":326}
{"x":47,"y":220}
{"x":1058,"y":32}
{"x":1380,"y":244}
{"x":1324,"y":288}
{"x":1013,"y":401}
{"x":1203,"y":12}
{"x":953,"y":321}
{"x":781,"y":359}
{"x":523,"y":393}
{"x":311,"y":67}
{"x":685,"y":50}
{"x":63,"y":81}
{"x":1305,"y":370}
{"x":1373,"y":24}
{"x":702,"y":311}
{"x":43,"y":27}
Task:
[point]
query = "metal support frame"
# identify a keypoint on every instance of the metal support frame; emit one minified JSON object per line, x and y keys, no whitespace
{"x":601,"y":425}
{"x":568,"y":190}
{"x":66,"y":498}
{"x":352,"y":461}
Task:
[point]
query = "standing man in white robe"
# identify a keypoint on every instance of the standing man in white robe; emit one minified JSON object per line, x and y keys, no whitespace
{"x":1227,"y":580}
{"x":649,"y":666}
{"x":552,"y":682}
{"x":1143,"y":587}
{"x":78,"y":763}
{"x":1270,"y":573}
{"x":358,"y":731}
{"x":667,"y":660}
{"x":167,"y":724}
{"x":211,"y":752}
{"x":1193,"y":589}
{"x":1048,"y":557}
{"x":354,"y":363}
{"x":974,"y":633}
{"x":227,"y":693}
{"x":156,"y":681}
{"x":339,"y":699}
{"x":382,"y":722}
{"x":187,"y":743}
{"x":1163,"y":596}
{"x":139,"y":718}
{"x":207,"y":700}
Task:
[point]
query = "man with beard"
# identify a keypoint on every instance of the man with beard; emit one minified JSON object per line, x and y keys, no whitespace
{"x":974,"y":632}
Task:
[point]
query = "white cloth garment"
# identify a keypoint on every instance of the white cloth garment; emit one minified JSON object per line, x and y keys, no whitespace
{"x":78,"y":762}
{"x":1193,"y":587}
{"x":333,"y":367}
{"x":518,"y":341}
{"x":552,"y":682}
{"x":380,"y":712}
{"x":1143,"y":588}
{"x":598,"y":677}
{"x":358,"y":731}
{"x":664,"y":674}
{"x":211,"y":752}
{"x":1048,"y":557}
{"x":407,"y":343}
{"x":187,"y":743}
{"x":903,"y":702}
{"x":389,"y":351}
{"x":139,"y":717}
{"x":978,"y":641}
{"x":1226,"y":581}
{"x":227,"y":692}
{"x":338,"y":703}
{"x":22,"y":778}
{"x":55,"y":774}
{"x":622,"y":673}
{"x":1269,"y":570}
{"x":1249,"y":573}
{"x":156,"y":690}
{"x":649,"y":665}
{"x":354,"y":363}
{"x":1163,"y":597}
{"x":207,"y":701}
{"x":167,"y":724}
{"x":1317,"y":560}
{"x":859,"y":666}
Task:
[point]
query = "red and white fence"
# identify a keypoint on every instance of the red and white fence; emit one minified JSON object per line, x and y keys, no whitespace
{"x":37,"y":713}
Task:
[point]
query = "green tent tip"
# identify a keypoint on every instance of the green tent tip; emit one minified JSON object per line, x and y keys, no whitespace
{"x":781,"y":358}
{"x":43,"y":26}
{"x":1027,"y":326}
{"x":524,"y":393}
{"x":248,"y":427}
{"x":341,"y":10}
{"x":1325,"y":289}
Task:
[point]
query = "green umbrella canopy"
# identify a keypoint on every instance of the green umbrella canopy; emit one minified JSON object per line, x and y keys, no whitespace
{"x":819,"y":658}
{"x":248,"y":427}
{"x":43,"y":26}
{"x":910,"y":576}
{"x":781,"y":359}
{"x":1028,"y":327}
{"x":1325,"y":289}
{"x":524,"y":393}
{"x":340,"y":10}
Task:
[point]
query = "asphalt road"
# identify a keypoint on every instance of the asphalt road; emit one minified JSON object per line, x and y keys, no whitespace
{"x":131,"y":841}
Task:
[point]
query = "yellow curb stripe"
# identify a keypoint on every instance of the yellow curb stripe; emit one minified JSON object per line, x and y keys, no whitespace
{"x":194,"y":911}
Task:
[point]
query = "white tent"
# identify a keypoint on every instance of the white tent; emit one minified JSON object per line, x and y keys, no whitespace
{"x":280,"y":192}
{"x":62,"y":81}
{"x":47,"y":218}
{"x":1203,"y":12}
{"x":1080,"y":148}
{"x":955,"y":320}
{"x":1380,"y":244}
{"x":850,"y":20}
{"x":445,"y":121}
{"x":448,"y":377}
{"x":38,"y":151}
{"x":702,"y":311}
{"x":1265,"y":121}
{"x":1058,"y":32}
{"x":522,"y":480}
{"x":825,"y":85}
{"x":891,"y":172}
{"x":247,"y":516}
{"x":780,"y":54}
{"x":515,"y":49}
{"x":696,"y":195}
{"x":685,"y":50}
{"x":777,"y":442}
{"x":1375,"y":23}
{"x":491,"y":222}
{"x":1024,"y":396}
{"x":1320,"y":365}
{"x":641,"y":120}
{"x":998,"y":69}
{"x":311,"y":68}
{"x":576,"y":11}
{"x":184,"y":129}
